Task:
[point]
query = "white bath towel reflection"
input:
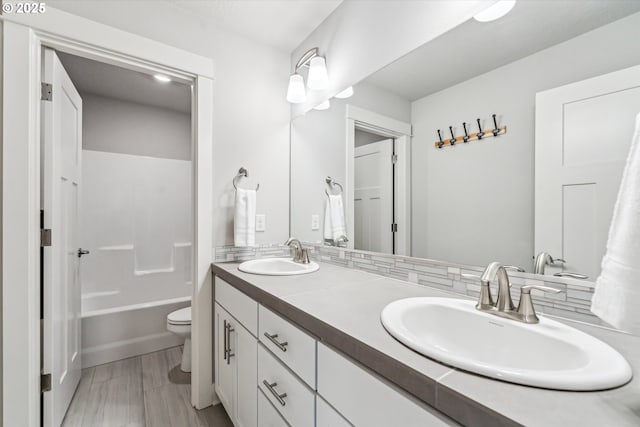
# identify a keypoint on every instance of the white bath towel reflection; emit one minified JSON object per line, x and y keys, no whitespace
{"x":334,"y":223}
{"x":617,"y":295}
{"x":244,"y":220}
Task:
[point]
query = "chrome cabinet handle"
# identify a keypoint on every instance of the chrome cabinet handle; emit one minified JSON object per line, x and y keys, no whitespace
{"x":271,"y":388}
{"x":572,"y":275}
{"x":225,"y":339}
{"x":229,"y":353}
{"x":281,"y":345}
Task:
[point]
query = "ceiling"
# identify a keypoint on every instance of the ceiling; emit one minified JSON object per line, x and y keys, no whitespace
{"x":107,"y":80}
{"x":474,"y":48}
{"x":282,"y":24}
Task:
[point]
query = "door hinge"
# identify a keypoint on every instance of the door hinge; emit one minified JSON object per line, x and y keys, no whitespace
{"x":46,"y":91}
{"x":394,"y":228}
{"x":45,"y":383}
{"x":45,"y":237}
{"x":394,"y":159}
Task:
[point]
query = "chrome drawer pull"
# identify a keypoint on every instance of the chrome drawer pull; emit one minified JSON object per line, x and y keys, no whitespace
{"x":281,"y":345}
{"x":224,"y":322}
{"x":271,"y":388}
{"x":227,"y":338}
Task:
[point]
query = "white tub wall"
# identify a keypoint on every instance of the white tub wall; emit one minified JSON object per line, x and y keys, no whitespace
{"x":123,"y":334}
{"x":136,"y":202}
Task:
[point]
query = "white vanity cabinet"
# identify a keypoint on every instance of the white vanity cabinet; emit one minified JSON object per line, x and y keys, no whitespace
{"x":236,"y":352}
{"x":271,"y":373}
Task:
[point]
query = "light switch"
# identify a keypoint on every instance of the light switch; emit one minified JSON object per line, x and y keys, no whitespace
{"x":261,"y":222}
{"x":315,"y":222}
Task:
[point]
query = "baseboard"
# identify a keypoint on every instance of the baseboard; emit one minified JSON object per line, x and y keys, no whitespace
{"x":119,"y":350}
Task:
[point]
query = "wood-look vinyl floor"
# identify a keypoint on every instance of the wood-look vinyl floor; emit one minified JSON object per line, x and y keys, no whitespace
{"x":145,"y":391}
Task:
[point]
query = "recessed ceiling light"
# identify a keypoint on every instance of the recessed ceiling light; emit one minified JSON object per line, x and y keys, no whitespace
{"x":161,"y":78}
{"x":495,"y":11}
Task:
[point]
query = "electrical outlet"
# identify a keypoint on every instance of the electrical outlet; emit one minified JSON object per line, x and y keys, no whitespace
{"x":315,"y":222}
{"x":261,"y":222}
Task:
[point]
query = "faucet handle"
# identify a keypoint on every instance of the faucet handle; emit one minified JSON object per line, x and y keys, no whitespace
{"x":572,"y":275}
{"x":525,"y":307}
{"x":485,"y":300}
{"x":470,"y":276}
{"x":515,"y":268}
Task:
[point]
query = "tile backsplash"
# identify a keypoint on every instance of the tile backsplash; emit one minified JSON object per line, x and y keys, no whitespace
{"x":573,"y":302}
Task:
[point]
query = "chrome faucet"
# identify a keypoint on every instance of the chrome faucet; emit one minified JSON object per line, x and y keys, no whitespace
{"x":542,"y":260}
{"x":301,"y":253}
{"x":503,"y":305}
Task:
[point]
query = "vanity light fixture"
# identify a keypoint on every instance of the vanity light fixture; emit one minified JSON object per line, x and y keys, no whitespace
{"x":161,"y":78}
{"x":317,"y":79}
{"x":348,"y":92}
{"x":323,"y":105}
{"x":495,"y":11}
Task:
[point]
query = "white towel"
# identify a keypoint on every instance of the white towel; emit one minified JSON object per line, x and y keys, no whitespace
{"x":334,"y":224}
{"x":617,"y":295}
{"x":244,"y":220}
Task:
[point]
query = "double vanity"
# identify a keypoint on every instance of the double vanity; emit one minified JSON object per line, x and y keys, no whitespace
{"x":326,"y":349}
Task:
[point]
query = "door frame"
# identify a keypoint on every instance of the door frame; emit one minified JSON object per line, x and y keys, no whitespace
{"x":359,"y":118}
{"x":23,"y":39}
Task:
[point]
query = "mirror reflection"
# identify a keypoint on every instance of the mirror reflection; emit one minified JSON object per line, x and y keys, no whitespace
{"x":545,"y":185}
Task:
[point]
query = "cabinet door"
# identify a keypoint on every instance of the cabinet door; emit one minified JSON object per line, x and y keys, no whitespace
{"x":246,"y":354}
{"x":225,"y":369}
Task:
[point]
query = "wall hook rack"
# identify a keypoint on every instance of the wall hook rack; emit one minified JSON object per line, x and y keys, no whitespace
{"x":468,"y":137}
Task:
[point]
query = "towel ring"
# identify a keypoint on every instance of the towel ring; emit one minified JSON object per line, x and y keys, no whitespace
{"x":333,"y":184}
{"x":242,"y":173}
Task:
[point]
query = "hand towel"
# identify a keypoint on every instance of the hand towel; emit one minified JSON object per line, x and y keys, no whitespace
{"x":617,"y":295}
{"x":244,"y":220}
{"x":334,"y":223}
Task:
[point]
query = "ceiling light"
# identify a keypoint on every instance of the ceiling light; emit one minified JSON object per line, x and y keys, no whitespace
{"x":318,"y":78}
{"x":161,"y":78}
{"x":323,"y":105}
{"x":495,"y":11}
{"x":296,"y":93}
{"x":348,"y":92}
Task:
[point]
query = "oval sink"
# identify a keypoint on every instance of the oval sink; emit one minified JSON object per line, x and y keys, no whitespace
{"x":549,"y":354}
{"x":277,"y":267}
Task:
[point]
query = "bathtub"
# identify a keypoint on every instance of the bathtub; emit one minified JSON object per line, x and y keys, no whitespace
{"x":137,"y":225}
{"x":110,"y":334}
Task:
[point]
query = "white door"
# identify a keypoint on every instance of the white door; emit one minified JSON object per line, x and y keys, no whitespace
{"x":62,"y":145}
{"x":583,"y":135}
{"x":373,"y":197}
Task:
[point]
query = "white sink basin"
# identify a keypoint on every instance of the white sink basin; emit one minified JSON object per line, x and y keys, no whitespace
{"x":549,"y":354}
{"x":277,"y":267}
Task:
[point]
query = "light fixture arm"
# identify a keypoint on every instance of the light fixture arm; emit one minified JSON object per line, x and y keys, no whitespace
{"x":306,"y":58}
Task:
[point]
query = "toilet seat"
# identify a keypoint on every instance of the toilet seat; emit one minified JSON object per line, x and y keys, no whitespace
{"x":180,"y":317}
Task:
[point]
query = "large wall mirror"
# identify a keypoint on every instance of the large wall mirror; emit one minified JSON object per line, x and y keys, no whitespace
{"x":501,"y":198}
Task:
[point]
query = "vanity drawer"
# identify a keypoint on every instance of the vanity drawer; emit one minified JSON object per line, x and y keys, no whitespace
{"x":366,"y":400}
{"x":267,"y":414}
{"x":243,"y":308}
{"x":275,"y":380}
{"x":295,"y":348}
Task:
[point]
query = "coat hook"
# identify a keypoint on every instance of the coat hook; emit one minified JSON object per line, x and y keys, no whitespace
{"x":452,"y":141}
{"x":496,"y":131}
{"x":466,"y":134}
{"x":480,"y":134}
{"x":441,"y":143}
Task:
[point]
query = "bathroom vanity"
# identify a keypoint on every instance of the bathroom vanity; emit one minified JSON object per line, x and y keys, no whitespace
{"x":311,"y":350}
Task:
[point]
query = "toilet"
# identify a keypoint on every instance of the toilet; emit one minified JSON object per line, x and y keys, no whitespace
{"x":179,"y":322}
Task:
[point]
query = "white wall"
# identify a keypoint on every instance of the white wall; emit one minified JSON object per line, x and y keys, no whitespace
{"x":474,"y":204}
{"x":116,"y":126}
{"x":360,"y":37}
{"x":251,"y":115}
{"x":318,"y":149}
